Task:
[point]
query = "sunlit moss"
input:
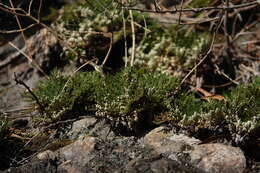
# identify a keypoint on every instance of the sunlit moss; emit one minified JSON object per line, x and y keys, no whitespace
{"x":131,"y":95}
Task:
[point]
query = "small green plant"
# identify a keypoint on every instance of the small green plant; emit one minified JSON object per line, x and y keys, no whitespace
{"x":132,"y":95}
{"x":126,"y":95}
{"x":161,"y":48}
{"x":170,"y":48}
{"x":240,"y":109}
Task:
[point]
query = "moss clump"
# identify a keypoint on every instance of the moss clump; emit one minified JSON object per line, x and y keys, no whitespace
{"x":123,"y":97}
{"x":171,"y":49}
{"x":132,"y":96}
{"x":240,"y":110}
{"x":162,"y":48}
{"x":135,"y":96}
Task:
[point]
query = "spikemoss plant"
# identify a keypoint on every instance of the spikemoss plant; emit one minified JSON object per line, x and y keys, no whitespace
{"x":124,"y":97}
{"x":240,"y":110}
{"x":171,"y":49}
{"x":166,"y":48}
{"x":133,"y":96}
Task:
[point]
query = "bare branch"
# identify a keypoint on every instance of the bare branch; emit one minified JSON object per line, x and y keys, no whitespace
{"x":20,"y":82}
{"x":18,"y":30}
{"x":196,"y":10}
{"x":133,"y":38}
{"x":109,"y":50}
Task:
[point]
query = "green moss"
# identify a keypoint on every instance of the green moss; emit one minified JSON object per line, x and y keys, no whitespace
{"x":132,"y":95}
{"x":170,"y":48}
{"x":164,"y":49}
{"x":240,"y":109}
{"x":127,"y":95}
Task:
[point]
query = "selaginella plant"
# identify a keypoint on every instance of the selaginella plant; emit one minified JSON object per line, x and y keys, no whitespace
{"x":135,"y":96}
{"x":166,"y":48}
{"x":240,"y":111}
{"x":125,"y":97}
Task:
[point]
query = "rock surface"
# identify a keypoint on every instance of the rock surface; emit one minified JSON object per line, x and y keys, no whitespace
{"x":218,"y":158}
{"x":160,"y":151}
{"x":44,"y":50}
{"x":168,"y":143}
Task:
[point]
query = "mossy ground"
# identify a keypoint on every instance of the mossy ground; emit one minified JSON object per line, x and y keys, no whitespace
{"x":135,"y":96}
{"x":138,"y":98}
{"x":141,"y":94}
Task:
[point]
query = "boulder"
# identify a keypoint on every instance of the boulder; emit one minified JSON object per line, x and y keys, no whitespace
{"x":216,"y":158}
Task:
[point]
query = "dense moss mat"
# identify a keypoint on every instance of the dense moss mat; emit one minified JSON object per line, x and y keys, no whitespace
{"x":125,"y":97}
{"x":136,"y":96}
{"x":164,"y":48}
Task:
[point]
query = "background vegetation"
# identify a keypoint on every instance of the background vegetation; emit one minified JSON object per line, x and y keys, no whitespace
{"x":139,"y":66}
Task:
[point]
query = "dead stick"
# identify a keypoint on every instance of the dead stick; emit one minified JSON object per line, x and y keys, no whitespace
{"x":20,"y":82}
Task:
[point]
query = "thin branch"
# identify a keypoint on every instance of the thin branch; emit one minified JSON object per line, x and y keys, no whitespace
{"x":201,"y":61}
{"x":30,"y":7}
{"x":18,"y":30}
{"x":20,"y":82}
{"x":196,"y":10}
{"x":29,"y":58}
{"x":204,"y":58}
{"x":225,"y":75}
{"x":133,"y":38}
{"x":109,"y":50}
{"x":18,"y":22}
{"x":125,"y":41}
{"x":8,"y":9}
{"x":179,"y":21}
{"x":39,"y":10}
{"x":86,"y":63}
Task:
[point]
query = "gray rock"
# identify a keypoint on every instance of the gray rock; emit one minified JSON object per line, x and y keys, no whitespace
{"x":43,"y":48}
{"x":46,"y":155}
{"x":92,"y":127}
{"x":157,"y":164}
{"x":81,"y":127}
{"x":77,"y":152}
{"x":160,"y":151}
{"x":169,"y":143}
{"x":215,"y":158}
